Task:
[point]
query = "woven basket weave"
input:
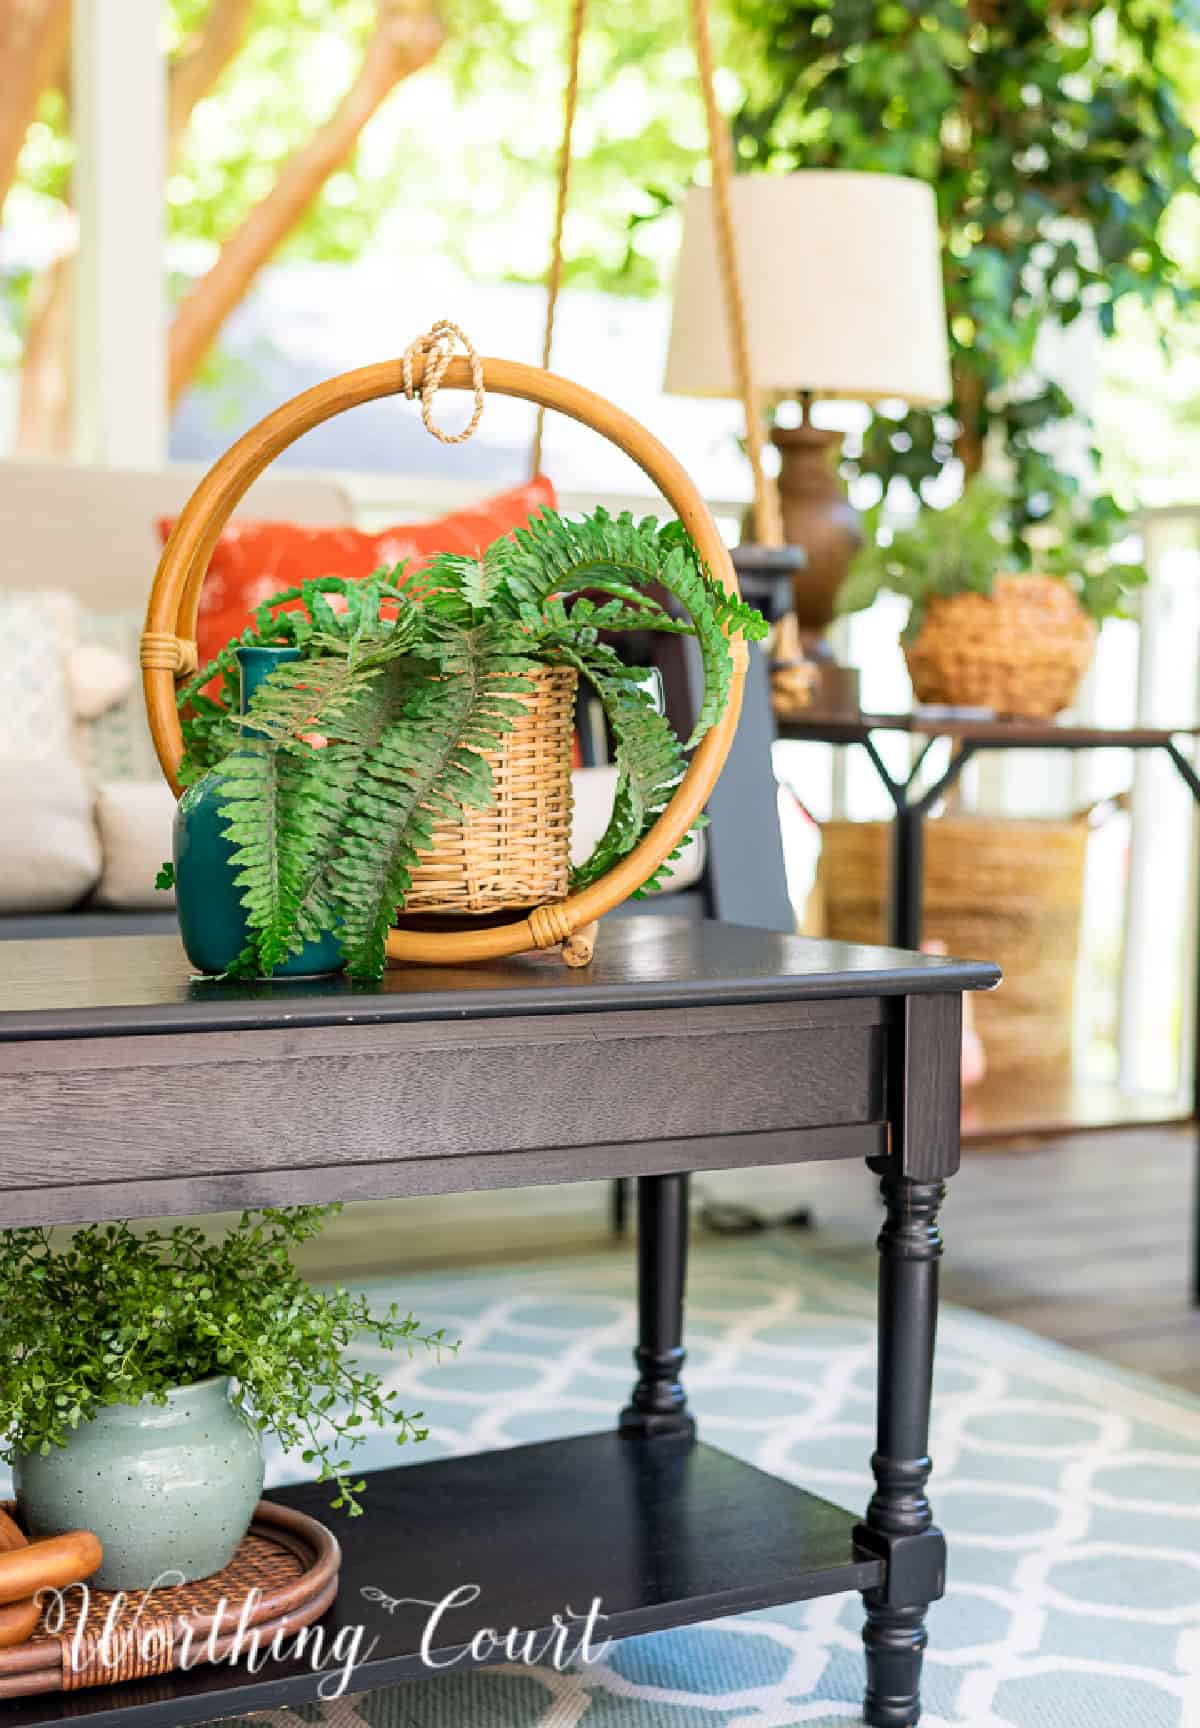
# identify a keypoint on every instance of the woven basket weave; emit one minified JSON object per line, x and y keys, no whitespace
{"x":290,"y":1562}
{"x":516,"y":853}
{"x":1020,"y":651}
{"x":1008,"y":891}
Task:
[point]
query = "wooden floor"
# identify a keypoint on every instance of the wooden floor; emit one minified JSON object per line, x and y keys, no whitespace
{"x":1085,"y":1240}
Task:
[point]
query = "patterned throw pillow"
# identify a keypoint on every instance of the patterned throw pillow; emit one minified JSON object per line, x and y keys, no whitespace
{"x":35,"y":709}
{"x":119,"y":743}
{"x":253,"y":560}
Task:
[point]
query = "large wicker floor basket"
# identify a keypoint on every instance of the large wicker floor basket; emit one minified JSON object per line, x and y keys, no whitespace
{"x":515,"y":853}
{"x":1020,"y":651}
{"x":1008,"y":891}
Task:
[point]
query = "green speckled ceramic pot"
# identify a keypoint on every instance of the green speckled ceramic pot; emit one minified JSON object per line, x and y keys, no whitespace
{"x":166,"y":1487}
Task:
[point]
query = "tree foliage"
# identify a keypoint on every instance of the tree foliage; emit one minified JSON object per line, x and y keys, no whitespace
{"x":1055,"y":136}
{"x":287,"y":141}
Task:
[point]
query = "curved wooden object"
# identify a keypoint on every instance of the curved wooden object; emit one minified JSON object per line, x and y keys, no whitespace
{"x":175,"y":597}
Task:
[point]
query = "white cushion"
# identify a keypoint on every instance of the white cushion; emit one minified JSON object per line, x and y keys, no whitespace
{"x":134,"y":820}
{"x":49,"y":852}
{"x":119,"y":745}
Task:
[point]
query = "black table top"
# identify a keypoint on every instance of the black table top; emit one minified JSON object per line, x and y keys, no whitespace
{"x":976,"y":729}
{"x":80,"y":988}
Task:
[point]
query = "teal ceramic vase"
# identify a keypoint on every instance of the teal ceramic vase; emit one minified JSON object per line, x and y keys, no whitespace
{"x":211,"y":920}
{"x":167,"y":1488}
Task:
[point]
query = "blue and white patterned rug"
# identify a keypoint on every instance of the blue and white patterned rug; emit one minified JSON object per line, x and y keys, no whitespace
{"x":1070,"y":1494}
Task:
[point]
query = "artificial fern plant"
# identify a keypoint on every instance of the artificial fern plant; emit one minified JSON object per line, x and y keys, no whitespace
{"x":350,"y":754}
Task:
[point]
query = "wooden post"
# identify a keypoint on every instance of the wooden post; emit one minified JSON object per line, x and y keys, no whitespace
{"x":658,"y":1405}
{"x":118,"y":81}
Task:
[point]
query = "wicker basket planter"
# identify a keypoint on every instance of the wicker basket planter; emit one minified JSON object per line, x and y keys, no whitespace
{"x":1008,"y":890}
{"x":515,"y":853}
{"x":1020,"y":651}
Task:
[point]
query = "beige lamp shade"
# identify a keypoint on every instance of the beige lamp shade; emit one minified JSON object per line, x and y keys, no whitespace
{"x":843,"y":285}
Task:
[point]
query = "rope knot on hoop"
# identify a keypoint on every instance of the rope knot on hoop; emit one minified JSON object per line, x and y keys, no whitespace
{"x":436,"y":348}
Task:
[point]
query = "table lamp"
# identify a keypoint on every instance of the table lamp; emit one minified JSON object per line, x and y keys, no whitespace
{"x":843,"y":288}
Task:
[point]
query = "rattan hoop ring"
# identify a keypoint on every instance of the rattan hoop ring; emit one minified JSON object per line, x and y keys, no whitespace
{"x":175,"y":597}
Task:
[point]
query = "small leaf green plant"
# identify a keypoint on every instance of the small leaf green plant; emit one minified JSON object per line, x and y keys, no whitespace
{"x":962,"y":548}
{"x":350,"y":754}
{"x":111,"y":1315}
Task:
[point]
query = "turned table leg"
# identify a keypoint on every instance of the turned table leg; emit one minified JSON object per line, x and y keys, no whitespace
{"x":899,"y":1524}
{"x":659,"y":1405}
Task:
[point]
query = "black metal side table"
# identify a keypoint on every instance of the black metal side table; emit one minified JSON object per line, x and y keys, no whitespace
{"x":128,"y":1091}
{"x":913,"y":801}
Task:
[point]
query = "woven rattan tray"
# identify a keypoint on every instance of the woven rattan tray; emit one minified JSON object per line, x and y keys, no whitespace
{"x":289,"y":1558}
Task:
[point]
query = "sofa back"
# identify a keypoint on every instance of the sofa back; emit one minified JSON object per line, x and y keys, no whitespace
{"x":92,"y":530}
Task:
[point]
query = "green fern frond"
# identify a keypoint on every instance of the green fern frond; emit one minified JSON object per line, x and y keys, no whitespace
{"x":303,"y":790}
{"x":473,"y":580}
{"x":211,"y":726}
{"x":662,"y":876}
{"x":626,"y":558}
{"x":302,"y":794}
{"x":305,"y":696}
{"x":427,"y":768}
{"x":555,"y":623}
{"x":650,"y":760}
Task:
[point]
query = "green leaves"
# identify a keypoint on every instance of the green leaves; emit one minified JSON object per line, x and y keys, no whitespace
{"x":427,"y":766}
{"x":350,"y":755}
{"x":1058,"y":140}
{"x":962,"y":548}
{"x":553,"y":559}
{"x":153,"y":1309}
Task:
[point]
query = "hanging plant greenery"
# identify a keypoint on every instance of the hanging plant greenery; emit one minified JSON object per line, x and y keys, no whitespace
{"x":350,"y":754}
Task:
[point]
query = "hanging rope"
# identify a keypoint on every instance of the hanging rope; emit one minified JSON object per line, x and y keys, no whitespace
{"x":767,"y":520}
{"x":554,"y":277}
{"x":437,"y":350}
{"x":768,"y":523}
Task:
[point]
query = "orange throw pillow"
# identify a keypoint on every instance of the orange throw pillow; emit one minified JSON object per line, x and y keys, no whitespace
{"x":253,"y":560}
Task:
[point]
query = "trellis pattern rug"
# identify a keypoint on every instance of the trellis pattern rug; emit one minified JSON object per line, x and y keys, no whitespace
{"x":1070,"y":1494}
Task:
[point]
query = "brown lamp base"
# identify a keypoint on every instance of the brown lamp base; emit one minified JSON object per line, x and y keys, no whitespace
{"x":816,"y":515}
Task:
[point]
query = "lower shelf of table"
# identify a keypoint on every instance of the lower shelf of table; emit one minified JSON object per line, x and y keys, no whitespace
{"x":662,"y":1532}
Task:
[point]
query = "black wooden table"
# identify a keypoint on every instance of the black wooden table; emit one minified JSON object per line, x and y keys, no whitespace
{"x":129,"y":1091}
{"x":913,"y":801}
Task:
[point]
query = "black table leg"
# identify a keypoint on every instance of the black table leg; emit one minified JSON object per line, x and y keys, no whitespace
{"x":908,"y":873}
{"x":906,"y":882}
{"x":618,"y":1204}
{"x":659,"y":1405}
{"x":899,"y":1522}
{"x":1192,"y":781}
